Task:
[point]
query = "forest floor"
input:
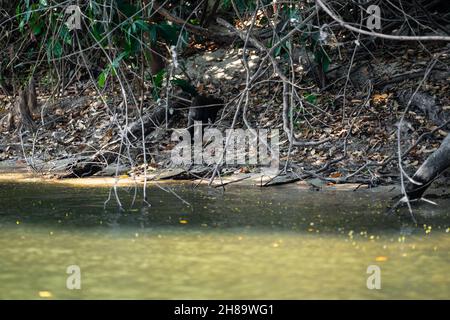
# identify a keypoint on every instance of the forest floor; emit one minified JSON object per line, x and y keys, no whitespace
{"x":357,"y":111}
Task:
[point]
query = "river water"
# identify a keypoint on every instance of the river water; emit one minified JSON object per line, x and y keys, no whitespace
{"x":244,"y":243}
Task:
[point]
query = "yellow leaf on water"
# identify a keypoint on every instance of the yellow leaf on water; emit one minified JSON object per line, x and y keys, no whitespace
{"x":381,"y":258}
{"x":45,"y":294}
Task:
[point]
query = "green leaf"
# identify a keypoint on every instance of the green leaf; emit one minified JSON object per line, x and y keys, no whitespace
{"x":153,"y":35}
{"x":142,"y":25}
{"x":94,"y":7}
{"x":157,"y":83}
{"x":18,"y":11}
{"x":277,"y":51}
{"x":194,"y":22}
{"x":102,"y":78}
{"x":96,"y":32}
{"x":126,"y":8}
{"x":116,"y":62}
{"x":54,"y":48}
{"x":311,"y":98}
{"x":37,"y":28}
{"x":21,"y":25}
{"x":133,"y":46}
{"x":322,"y":58}
{"x":168,"y":32}
{"x":65,"y":35}
{"x":27,"y":14}
{"x":57,"y":49}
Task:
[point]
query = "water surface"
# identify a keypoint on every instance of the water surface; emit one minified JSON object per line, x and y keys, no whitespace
{"x":244,"y":243}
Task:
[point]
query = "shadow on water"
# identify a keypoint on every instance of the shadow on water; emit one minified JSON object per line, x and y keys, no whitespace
{"x":280,"y":209}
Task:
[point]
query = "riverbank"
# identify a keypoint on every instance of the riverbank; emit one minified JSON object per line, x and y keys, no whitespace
{"x":12,"y":171}
{"x":80,"y":139}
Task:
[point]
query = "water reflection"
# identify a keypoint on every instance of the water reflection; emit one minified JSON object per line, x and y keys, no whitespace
{"x":242,"y":243}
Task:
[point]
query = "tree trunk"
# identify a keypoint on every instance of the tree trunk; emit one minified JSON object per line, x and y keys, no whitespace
{"x":435,"y":164}
{"x":23,"y":110}
{"x":32,"y":99}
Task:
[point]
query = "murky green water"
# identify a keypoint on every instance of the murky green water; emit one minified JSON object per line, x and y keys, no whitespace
{"x":244,"y":243}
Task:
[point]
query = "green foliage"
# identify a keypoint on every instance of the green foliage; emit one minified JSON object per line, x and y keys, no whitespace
{"x":243,"y":5}
{"x":309,"y":40}
{"x":111,"y":69}
{"x":124,"y":37}
{"x":29,"y":15}
{"x":286,"y":46}
{"x":54,"y":48}
{"x":157,"y":83}
{"x":128,"y":33}
{"x":311,"y":98}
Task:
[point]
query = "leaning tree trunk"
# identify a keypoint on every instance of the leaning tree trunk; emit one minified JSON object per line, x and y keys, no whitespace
{"x":435,"y":164}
